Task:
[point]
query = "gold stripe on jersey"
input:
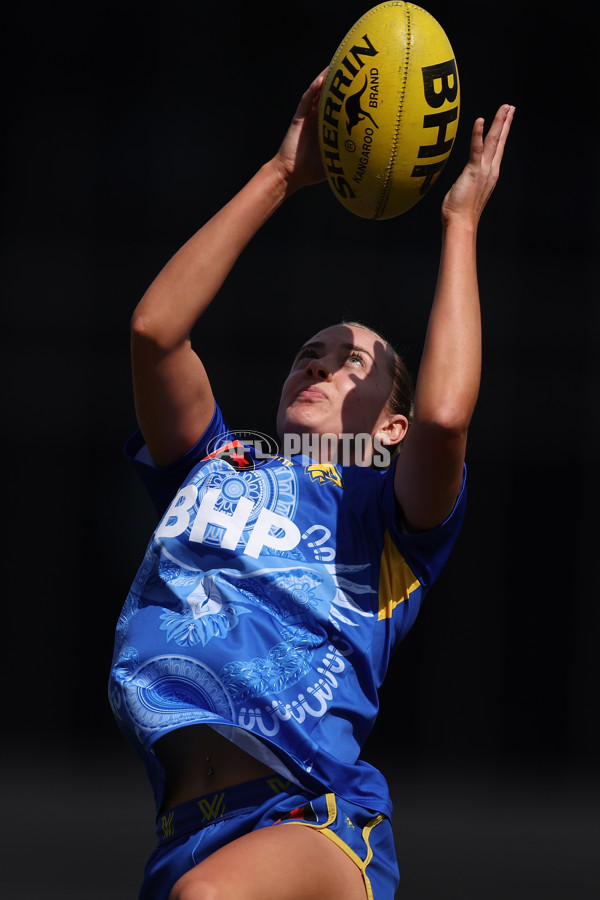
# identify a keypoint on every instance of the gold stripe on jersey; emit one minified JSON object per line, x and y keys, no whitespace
{"x":396,"y":580}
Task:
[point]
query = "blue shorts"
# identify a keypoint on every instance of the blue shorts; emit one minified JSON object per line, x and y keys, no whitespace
{"x":189,"y":833}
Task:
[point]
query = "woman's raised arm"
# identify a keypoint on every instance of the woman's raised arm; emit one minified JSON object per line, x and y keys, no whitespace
{"x":173,"y":396}
{"x":430,"y":469}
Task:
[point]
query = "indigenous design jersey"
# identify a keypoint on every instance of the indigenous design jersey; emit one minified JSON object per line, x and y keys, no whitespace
{"x":268,"y":604}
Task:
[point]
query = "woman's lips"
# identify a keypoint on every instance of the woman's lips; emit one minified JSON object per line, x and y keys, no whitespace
{"x":312,"y":393}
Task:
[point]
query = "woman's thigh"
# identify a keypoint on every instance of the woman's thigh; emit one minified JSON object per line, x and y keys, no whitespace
{"x":287,"y":862}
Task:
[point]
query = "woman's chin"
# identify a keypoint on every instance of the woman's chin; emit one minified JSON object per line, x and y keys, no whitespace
{"x":300,"y":420}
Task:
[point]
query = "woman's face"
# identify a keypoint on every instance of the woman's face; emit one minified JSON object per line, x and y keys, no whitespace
{"x":339,"y":383}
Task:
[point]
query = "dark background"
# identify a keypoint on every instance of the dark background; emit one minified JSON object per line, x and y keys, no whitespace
{"x":123,"y":128}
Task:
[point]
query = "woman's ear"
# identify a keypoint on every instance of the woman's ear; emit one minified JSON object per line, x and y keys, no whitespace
{"x":393,"y":431}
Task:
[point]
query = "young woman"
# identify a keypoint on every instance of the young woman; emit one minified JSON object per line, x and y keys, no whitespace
{"x":260,"y":624}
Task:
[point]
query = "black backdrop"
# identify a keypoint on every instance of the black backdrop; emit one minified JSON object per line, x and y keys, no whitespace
{"x":126,"y":126}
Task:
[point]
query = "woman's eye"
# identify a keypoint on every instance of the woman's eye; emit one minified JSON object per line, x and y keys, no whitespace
{"x":355,"y":358}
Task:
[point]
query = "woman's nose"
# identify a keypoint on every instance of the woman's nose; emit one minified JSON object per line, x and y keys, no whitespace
{"x":318,"y":368}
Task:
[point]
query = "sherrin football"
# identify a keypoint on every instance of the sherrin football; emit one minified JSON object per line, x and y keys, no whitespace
{"x":388,"y":111}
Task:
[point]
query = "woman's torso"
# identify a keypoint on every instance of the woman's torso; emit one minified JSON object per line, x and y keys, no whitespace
{"x":198,"y":760}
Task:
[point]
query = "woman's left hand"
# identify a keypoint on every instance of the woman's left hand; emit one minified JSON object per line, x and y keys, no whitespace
{"x":470,"y":193}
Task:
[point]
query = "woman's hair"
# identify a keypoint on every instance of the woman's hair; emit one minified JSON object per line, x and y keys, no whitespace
{"x":400,"y":400}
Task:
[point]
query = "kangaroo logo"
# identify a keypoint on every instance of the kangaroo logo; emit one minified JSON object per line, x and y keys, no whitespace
{"x":354,"y":111}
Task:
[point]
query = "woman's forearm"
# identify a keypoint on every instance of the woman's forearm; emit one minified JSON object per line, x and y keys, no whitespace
{"x":188,"y":283}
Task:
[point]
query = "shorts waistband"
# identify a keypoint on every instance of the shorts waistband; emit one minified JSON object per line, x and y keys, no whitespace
{"x":216,"y":807}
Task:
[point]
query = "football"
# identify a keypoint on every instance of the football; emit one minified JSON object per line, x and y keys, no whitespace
{"x":388,"y":111}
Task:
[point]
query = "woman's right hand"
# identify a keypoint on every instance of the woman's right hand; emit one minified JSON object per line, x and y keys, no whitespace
{"x":299,"y":156}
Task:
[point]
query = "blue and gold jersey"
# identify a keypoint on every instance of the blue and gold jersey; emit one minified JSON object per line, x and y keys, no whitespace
{"x":269,"y":601}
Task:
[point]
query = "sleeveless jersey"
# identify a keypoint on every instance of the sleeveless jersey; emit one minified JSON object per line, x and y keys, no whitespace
{"x":269,"y":601}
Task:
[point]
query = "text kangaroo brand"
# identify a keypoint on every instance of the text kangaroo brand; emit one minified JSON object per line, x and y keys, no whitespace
{"x":334,"y":101}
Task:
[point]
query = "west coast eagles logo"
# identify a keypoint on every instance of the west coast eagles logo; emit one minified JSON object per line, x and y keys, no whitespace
{"x":324,"y":472}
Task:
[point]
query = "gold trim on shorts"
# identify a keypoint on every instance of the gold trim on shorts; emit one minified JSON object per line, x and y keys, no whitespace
{"x":323,"y":827}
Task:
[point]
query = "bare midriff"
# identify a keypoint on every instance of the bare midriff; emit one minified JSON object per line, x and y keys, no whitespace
{"x":198,"y":760}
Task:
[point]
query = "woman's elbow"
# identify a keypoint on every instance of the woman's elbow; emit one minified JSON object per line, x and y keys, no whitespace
{"x":451,"y":420}
{"x":148,"y":331}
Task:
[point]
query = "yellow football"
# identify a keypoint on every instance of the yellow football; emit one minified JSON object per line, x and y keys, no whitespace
{"x":389,"y":110}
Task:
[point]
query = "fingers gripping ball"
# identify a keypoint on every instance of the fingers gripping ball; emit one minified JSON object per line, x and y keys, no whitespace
{"x":389,"y":110}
